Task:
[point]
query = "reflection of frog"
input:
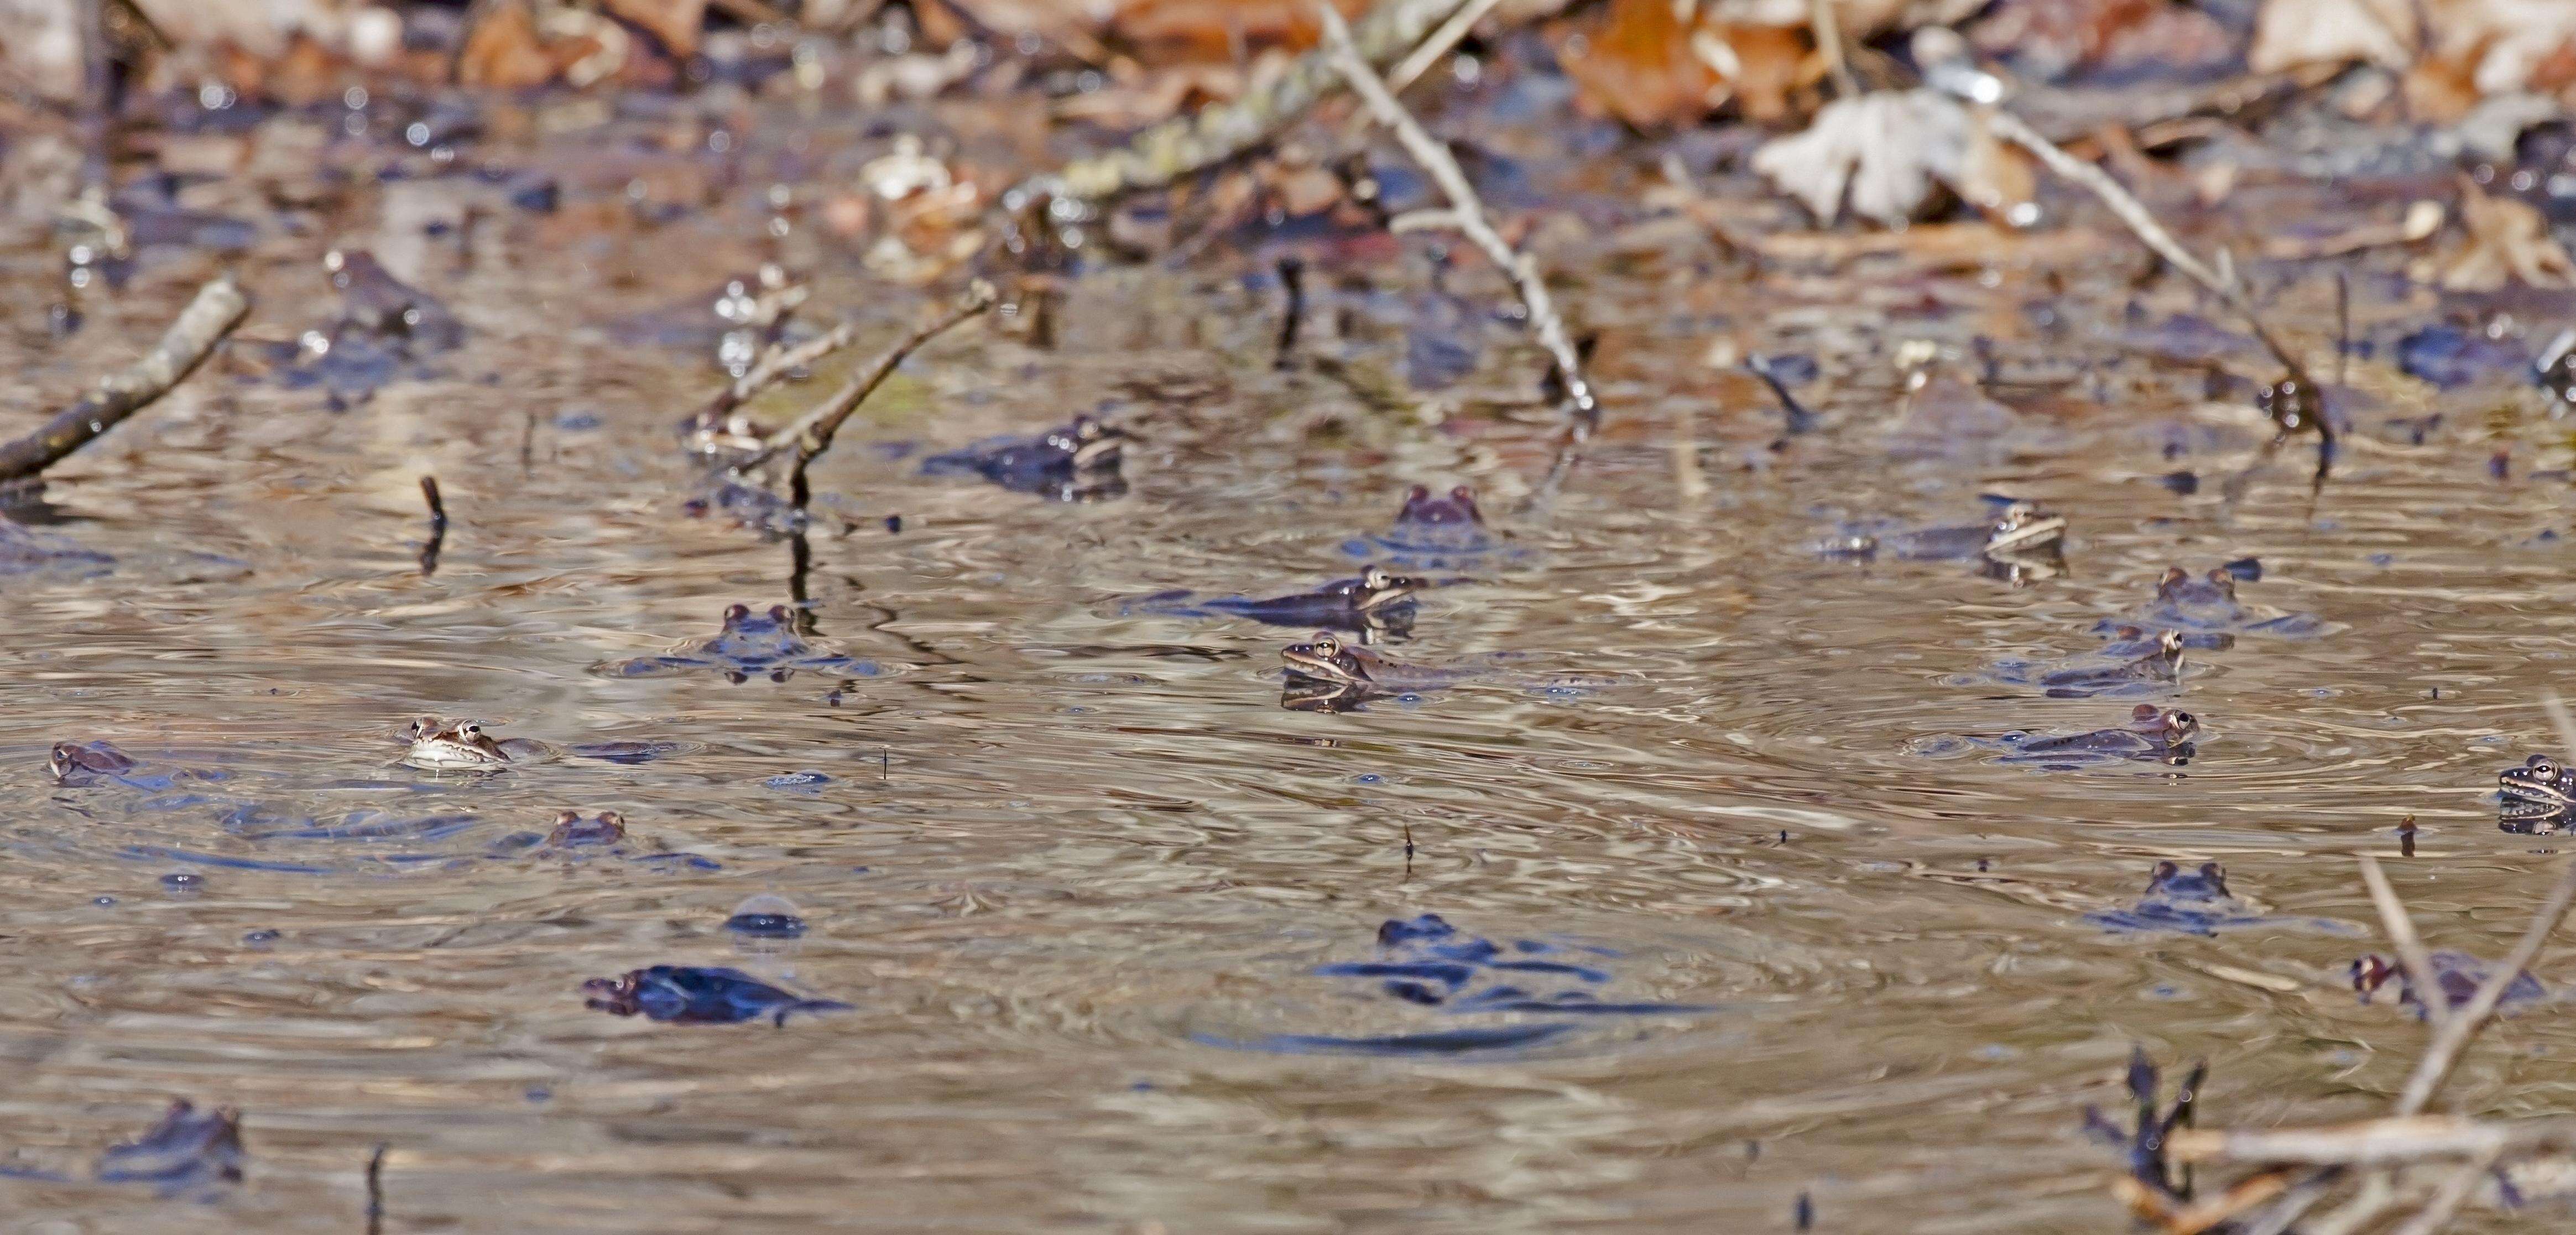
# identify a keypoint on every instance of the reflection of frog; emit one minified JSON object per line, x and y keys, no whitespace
{"x":187,"y":1151}
{"x":751,"y":644}
{"x":2133,"y":663}
{"x":695,"y":995}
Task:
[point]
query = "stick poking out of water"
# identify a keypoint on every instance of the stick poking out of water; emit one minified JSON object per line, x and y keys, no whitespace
{"x":376,"y":1190}
{"x":218,"y":307}
{"x":437,"y":526}
{"x":811,"y":434}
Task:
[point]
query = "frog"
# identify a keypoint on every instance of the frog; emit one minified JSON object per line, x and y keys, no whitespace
{"x":445,"y":746}
{"x":699,"y":995}
{"x":188,"y":1151}
{"x":2457,"y":973}
{"x":571,"y":830}
{"x":2133,"y":662}
{"x":2205,"y":609}
{"x":2020,"y":529}
{"x":750,"y":644}
{"x":2536,"y":797}
{"x":2155,"y":734}
{"x":2555,"y":369}
{"x":2190,"y":902}
{"x":1373,"y":601}
{"x":1074,"y":462}
{"x":1330,"y":661}
{"x":82,"y":765}
{"x":1434,"y":532}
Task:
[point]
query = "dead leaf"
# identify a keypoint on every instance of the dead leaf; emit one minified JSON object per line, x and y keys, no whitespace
{"x":504,"y":51}
{"x":676,"y":23}
{"x":2288,"y":33}
{"x":1222,"y":30}
{"x":2507,"y":239}
{"x":2504,"y":42}
{"x":1884,"y":152}
{"x":2440,"y":89}
{"x":1651,"y":66}
{"x":305,"y":75}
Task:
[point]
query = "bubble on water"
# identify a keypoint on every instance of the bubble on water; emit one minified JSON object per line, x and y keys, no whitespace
{"x":766,"y":916}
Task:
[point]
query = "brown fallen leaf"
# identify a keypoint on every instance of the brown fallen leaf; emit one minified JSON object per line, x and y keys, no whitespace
{"x":504,"y":51}
{"x":2049,"y":39}
{"x":1165,"y":31}
{"x":676,"y":23}
{"x":2507,"y":239}
{"x":1654,"y":66}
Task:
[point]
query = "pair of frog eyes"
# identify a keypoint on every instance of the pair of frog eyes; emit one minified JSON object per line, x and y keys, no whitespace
{"x":427,"y":727}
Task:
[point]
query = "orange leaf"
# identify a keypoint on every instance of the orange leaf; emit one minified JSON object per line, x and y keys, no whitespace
{"x":505,"y":52}
{"x":1634,"y":61}
{"x":676,"y":23}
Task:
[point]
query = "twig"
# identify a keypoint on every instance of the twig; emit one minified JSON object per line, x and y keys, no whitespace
{"x":1438,"y":45}
{"x":376,"y":1190}
{"x":777,"y":363}
{"x":812,"y":432}
{"x":218,"y":308}
{"x":2402,"y":936}
{"x":2374,"y":1198}
{"x":2464,"y":1024}
{"x":2446,"y":1202}
{"x":1829,"y":44}
{"x":1165,"y":153}
{"x":97,"y":104}
{"x":437,"y":526}
{"x":1435,"y":159}
{"x":2395,"y":1141}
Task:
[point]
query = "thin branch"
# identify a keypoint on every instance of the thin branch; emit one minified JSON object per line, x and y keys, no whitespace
{"x":2132,"y":212}
{"x":2395,"y":1141}
{"x":1165,"y":153}
{"x":778,"y":363}
{"x":1434,"y":158}
{"x":2409,"y":945}
{"x":812,"y":432}
{"x":2464,"y":1024}
{"x":2446,"y":1203}
{"x":1829,"y":44}
{"x":2374,"y":1198}
{"x":218,"y":307}
{"x":1438,"y":45}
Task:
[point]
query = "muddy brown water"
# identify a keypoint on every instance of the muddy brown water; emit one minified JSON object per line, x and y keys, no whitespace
{"x":1075,"y":870}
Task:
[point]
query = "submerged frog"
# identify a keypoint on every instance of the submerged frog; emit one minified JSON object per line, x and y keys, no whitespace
{"x":1433,"y":532}
{"x":1376,"y":599}
{"x":2153,"y":733}
{"x":2457,"y":973}
{"x":442,"y":746}
{"x":2538,"y":797}
{"x":2205,"y":609}
{"x":698,"y":995}
{"x":1429,"y":963}
{"x":384,"y":326}
{"x":1076,"y":462}
{"x":570,"y":830}
{"x":2193,"y":902}
{"x":78,"y":765}
{"x":188,"y":1151}
{"x":25,"y":553}
{"x":762,"y":644}
{"x":2021,"y":529}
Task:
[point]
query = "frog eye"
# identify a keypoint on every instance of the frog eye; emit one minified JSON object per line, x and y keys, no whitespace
{"x":1375,"y":578}
{"x":2182,"y":720}
{"x":2162,"y":872}
{"x":778,"y":613}
{"x":567,"y":818}
{"x":2541,"y":765}
{"x":469,"y":731}
{"x":1418,"y":493}
{"x":2144,"y":711}
{"x":424,"y":726}
{"x":2215,"y":874}
{"x":1328,"y":647}
{"x":736,"y":613}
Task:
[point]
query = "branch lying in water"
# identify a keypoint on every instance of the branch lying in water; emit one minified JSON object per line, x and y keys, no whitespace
{"x":1466,"y":213}
{"x":812,"y":432}
{"x":219,"y":306}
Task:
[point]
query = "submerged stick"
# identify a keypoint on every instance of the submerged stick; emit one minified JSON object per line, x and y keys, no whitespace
{"x":1467,"y":214}
{"x":1168,"y":151}
{"x":376,"y":1190}
{"x":777,"y":363}
{"x":812,"y":432}
{"x":2446,"y":1203}
{"x":219,"y":306}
